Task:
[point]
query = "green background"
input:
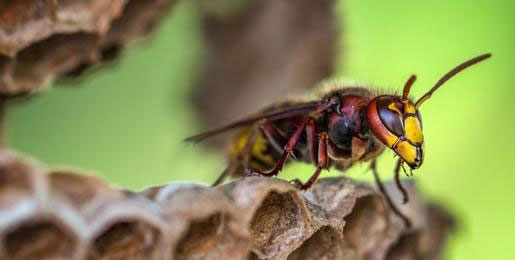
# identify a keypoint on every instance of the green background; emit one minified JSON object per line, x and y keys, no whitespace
{"x":126,"y":122}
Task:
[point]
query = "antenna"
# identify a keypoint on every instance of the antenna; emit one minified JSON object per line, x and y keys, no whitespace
{"x":407,"y":87}
{"x":451,"y":74}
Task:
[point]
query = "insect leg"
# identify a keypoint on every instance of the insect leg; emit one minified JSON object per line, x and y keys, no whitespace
{"x":323,"y":161}
{"x":241,"y":158}
{"x":274,"y":136}
{"x":397,"y":170}
{"x":226,"y":172}
{"x":381,"y":187}
{"x":311,"y":140}
{"x":288,"y":150}
{"x":277,"y":139}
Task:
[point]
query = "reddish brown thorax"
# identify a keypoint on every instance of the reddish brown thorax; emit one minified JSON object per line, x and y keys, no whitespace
{"x":351,"y":105}
{"x":346,"y":128}
{"x":349,"y":111}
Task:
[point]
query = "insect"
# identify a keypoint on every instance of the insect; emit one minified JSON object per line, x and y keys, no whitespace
{"x":345,"y":126}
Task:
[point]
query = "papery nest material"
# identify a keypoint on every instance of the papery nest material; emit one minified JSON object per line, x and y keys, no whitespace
{"x":75,"y":216}
{"x":43,"y":39}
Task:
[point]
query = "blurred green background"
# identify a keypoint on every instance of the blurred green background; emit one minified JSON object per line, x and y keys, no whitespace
{"x":126,"y":122}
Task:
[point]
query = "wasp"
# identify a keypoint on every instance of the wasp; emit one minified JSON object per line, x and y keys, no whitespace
{"x":344,"y":126}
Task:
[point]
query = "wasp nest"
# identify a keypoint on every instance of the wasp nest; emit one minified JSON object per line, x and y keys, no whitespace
{"x":64,"y":215}
{"x":42,"y":39}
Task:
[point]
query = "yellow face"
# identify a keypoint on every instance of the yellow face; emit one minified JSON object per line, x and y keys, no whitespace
{"x":395,"y":120}
{"x":402,"y":129}
{"x":409,"y":146}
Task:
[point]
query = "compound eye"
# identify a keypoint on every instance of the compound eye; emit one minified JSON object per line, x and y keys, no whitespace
{"x":389,"y":113}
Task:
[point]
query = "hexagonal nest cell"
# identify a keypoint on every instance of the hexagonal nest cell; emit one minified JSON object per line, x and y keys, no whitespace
{"x":126,"y":239}
{"x":277,"y":222}
{"x":39,"y":62}
{"x":210,"y":238}
{"x":80,"y":191}
{"x":326,"y":243}
{"x":19,"y":180}
{"x":40,"y":239}
{"x":365,"y":227}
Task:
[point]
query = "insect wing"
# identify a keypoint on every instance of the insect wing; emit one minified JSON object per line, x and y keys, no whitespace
{"x":282,"y":113}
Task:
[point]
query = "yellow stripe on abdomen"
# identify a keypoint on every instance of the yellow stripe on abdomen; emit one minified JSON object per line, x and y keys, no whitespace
{"x":260,"y":157}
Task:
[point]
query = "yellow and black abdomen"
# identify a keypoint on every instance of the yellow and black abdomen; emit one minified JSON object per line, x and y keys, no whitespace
{"x":251,"y":148}
{"x":259,"y":153}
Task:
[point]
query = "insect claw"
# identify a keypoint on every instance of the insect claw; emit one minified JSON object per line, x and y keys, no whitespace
{"x":295,"y":182}
{"x":304,"y":188}
{"x":298,"y":184}
{"x":292,"y":154}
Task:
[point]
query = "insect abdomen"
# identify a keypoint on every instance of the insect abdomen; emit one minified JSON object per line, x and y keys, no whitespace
{"x":261,"y":155}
